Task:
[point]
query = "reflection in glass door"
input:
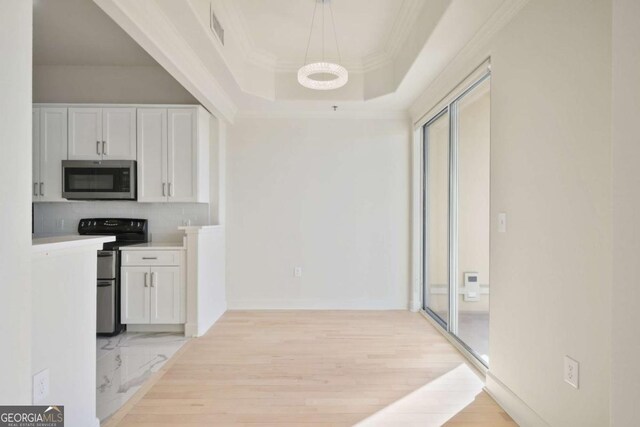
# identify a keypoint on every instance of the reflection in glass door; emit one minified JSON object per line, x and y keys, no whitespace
{"x":436,"y":217}
{"x":456,"y":218}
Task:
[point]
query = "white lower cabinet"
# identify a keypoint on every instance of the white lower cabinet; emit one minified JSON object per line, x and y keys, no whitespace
{"x":165,"y":300}
{"x":152,"y":294}
{"x":135,"y":294}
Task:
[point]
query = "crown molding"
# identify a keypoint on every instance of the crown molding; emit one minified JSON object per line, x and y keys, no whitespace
{"x":475,"y":48}
{"x":236,"y":25}
{"x":316,"y":114}
{"x":398,"y":35}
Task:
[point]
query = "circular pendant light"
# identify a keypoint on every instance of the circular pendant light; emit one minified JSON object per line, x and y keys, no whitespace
{"x":339,"y":73}
{"x":322,"y":75}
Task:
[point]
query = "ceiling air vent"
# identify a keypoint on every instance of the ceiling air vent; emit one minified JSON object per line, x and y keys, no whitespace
{"x":216,"y":27}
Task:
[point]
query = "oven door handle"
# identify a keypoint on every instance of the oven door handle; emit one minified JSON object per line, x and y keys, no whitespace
{"x":104,"y":284}
{"x":105,"y":254}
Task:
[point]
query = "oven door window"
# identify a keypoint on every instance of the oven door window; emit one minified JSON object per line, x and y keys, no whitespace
{"x":97,"y":180}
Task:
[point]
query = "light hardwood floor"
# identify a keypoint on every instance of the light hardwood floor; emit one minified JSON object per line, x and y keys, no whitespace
{"x":316,"y":368}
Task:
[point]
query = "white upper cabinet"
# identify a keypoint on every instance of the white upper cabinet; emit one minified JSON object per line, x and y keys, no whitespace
{"x":152,"y":147}
{"x":102,"y":133}
{"x":49,"y":150}
{"x":85,"y":133}
{"x":169,"y":143}
{"x":182,"y":149}
{"x":119,"y":133}
{"x":173,"y":155}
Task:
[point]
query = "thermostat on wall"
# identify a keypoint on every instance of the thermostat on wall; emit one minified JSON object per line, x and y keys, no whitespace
{"x":471,"y":287}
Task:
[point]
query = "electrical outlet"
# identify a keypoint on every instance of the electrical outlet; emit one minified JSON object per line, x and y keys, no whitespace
{"x":571,"y":372}
{"x":297,"y":272}
{"x":40,"y":386}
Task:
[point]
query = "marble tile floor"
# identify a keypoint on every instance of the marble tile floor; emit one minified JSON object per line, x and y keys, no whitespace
{"x":125,"y":362}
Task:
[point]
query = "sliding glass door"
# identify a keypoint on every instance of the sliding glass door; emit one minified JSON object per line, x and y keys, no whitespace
{"x":456,"y":220}
{"x":436,"y":217}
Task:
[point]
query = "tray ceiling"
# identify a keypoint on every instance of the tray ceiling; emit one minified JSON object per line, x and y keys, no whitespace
{"x":274,"y":33}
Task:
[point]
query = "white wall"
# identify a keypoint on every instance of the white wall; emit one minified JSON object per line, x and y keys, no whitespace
{"x":15,"y":201}
{"x":63,"y":336}
{"x":551,"y":173}
{"x":107,"y":84}
{"x":625,"y":378}
{"x":328,"y":195}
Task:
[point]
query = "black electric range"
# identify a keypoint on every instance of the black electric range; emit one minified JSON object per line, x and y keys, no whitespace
{"x":127,"y":231}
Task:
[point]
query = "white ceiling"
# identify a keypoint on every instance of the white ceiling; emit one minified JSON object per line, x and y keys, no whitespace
{"x":366,"y":30}
{"x":78,"y":32}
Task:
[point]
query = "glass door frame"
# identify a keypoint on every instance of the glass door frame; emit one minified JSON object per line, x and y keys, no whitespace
{"x":451,"y":324}
{"x":425,"y":215}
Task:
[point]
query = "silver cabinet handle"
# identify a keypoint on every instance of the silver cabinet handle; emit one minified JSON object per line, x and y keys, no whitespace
{"x":164,"y":187}
{"x":153,"y":279}
{"x":104,"y":148}
{"x":146,"y":282}
{"x":149,"y":257}
{"x":42,"y":188}
{"x":98,"y":147}
{"x":170,"y":190}
{"x":35,"y":188}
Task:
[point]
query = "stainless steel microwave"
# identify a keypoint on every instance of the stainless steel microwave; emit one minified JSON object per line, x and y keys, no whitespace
{"x":99,"y":180}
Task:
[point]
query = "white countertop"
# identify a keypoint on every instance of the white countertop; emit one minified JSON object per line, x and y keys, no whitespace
{"x":154,"y":245}
{"x":45,"y":244}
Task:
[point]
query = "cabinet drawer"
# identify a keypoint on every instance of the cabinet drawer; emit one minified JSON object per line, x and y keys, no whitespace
{"x":151,"y":257}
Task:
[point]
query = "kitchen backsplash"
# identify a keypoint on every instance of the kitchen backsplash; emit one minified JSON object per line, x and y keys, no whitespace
{"x":164,"y":218}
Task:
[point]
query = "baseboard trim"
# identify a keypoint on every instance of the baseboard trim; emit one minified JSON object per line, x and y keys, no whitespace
{"x":191,"y":330}
{"x":512,"y":404}
{"x":290,"y":304}
{"x":155,"y":328}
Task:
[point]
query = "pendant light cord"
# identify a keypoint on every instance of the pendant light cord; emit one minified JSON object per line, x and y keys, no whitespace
{"x":323,"y":8}
{"x":333,"y":24}
{"x":313,"y":18}
{"x":335,"y":34}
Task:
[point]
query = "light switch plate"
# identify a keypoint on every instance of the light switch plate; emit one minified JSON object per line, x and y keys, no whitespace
{"x":502,"y":222}
{"x":297,"y":272}
{"x":40,"y":386}
{"x":571,"y":372}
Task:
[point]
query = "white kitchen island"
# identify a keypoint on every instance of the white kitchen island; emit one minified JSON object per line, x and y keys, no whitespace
{"x":63,"y":333}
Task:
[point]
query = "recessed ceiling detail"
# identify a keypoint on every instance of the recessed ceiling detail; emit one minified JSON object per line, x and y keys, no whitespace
{"x":372,"y":32}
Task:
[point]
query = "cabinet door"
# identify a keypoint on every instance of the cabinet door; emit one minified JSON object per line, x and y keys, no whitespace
{"x":119,"y":133}
{"x":152,"y":155}
{"x":35,"y":154}
{"x":85,"y":133}
{"x":182,"y":160}
{"x":165,"y":295}
{"x":135,"y":294}
{"x":53,"y":150}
